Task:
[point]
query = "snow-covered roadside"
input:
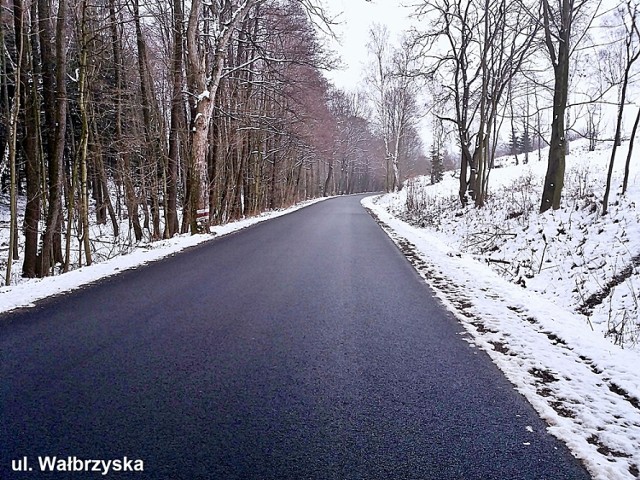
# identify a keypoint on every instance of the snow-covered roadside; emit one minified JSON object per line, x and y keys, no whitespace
{"x":587,"y":389}
{"x":576,"y":257}
{"x":29,"y":291}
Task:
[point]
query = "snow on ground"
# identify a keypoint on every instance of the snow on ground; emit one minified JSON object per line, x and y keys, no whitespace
{"x":552,"y":298}
{"x":26,"y":292}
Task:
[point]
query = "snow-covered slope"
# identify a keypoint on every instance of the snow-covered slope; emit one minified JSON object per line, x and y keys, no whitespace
{"x":574,"y":256}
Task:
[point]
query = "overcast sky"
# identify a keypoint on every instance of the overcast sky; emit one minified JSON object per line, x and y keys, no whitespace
{"x":357,"y":17}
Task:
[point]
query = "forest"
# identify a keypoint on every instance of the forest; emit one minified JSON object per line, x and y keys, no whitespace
{"x":160,"y":118}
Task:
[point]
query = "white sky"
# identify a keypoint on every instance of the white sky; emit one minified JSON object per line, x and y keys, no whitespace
{"x":357,"y":18}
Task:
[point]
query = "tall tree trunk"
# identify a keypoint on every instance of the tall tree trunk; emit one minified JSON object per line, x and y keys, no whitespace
{"x":151,"y":152}
{"x":71,"y":208}
{"x":10,"y":149}
{"x":83,"y":150}
{"x":48,"y":65}
{"x":131,"y":200}
{"x":237,"y":209}
{"x":631,"y":59}
{"x":327,"y":182}
{"x":554,"y":178}
{"x":177,"y":120}
{"x":627,"y":164}
{"x":201,"y":113}
{"x":101,"y":180}
{"x":394,"y":160}
{"x":203,"y":86}
{"x":466,"y":160}
{"x":33,"y":158}
{"x":51,"y":240}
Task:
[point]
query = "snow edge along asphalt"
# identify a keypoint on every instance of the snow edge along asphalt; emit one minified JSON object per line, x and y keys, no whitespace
{"x":25,"y":294}
{"x":584,"y":403}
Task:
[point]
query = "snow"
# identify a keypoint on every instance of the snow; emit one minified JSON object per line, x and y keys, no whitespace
{"x":206,"y":94}
{"x":28,"y":291}
{"x":516,"y":278}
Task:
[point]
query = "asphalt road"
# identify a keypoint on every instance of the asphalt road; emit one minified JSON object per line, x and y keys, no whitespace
{"x":305,"y":347}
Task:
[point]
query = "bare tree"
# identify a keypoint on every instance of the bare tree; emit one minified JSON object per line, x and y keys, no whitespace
{"x":632,"y":53}
{"x":204,"y":72}
{"x":453,"y":26}
{"x":178,"y":120}
{"x":507,"y":38}
{"x":9,"y":156}
{"x":481,"y":45}
{"x":32,"y":147}
{"x":121,"y":154}
{"x":51,"y":242}
{"x":558,"y":21}
{"x":394,"y":98}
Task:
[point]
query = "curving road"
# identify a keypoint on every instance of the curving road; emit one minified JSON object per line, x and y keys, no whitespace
{"x":305,"y":347}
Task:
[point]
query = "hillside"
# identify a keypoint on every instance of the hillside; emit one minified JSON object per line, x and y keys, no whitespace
{"x":575,"y":257}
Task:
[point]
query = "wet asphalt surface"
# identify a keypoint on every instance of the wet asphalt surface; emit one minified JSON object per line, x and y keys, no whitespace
{"x":305,"y":347}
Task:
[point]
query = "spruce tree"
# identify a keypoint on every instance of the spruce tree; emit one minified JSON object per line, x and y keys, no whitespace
{"x":437,"y":165}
